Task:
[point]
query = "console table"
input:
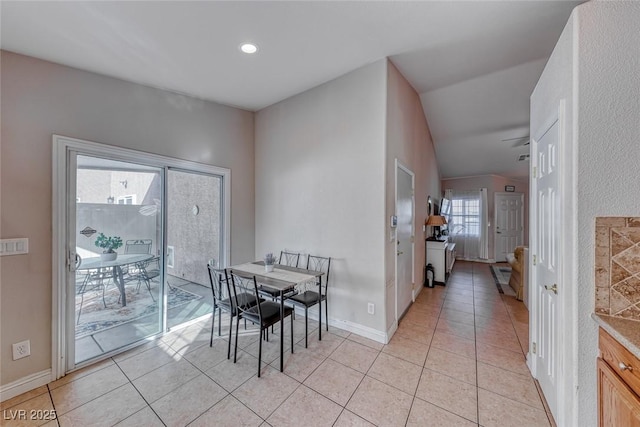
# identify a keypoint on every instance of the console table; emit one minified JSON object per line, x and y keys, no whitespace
{"x":441,"y":254}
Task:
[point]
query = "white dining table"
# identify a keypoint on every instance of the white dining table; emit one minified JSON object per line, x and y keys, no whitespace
{"x":95,"y":263}
{"x":283,"y":279}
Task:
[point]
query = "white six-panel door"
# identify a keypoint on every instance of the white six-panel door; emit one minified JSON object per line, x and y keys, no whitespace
{"x":546,"y":264}
{"x":509,"y":214}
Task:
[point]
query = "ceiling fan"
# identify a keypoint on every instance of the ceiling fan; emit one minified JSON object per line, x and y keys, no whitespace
{"x":519,"y":142}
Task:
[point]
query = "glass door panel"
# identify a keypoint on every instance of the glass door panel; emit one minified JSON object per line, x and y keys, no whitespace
{"x":194,"y":237}
{"x":117,"y":296}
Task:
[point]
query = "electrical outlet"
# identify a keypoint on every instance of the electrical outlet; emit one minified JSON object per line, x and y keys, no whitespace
{"x":21,"y":349}
{"x":371,"y":308}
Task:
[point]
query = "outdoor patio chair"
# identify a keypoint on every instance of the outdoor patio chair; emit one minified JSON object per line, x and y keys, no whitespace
{"x":92,"y":280}
{"x":139,"y":246}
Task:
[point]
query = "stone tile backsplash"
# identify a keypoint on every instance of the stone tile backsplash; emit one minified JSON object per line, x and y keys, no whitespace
{"x":618,"y":267}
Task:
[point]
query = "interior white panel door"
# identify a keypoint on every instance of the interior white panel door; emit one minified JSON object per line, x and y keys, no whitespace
{"x":546,"y":287}
{"x":509,"y":208}
{"x":404,"y":212}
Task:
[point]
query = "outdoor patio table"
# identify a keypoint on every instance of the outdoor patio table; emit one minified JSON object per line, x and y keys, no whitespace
{"x":122,"y":260}
{"x":282,"y":279}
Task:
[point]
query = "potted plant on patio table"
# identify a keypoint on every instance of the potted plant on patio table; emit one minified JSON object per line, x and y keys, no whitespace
{"x":109,"y":246}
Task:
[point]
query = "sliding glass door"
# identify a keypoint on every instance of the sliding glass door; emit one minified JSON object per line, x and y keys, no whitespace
{"x":117,"y":232}
{"x":133,"y":233}
{"x":194,"y":238}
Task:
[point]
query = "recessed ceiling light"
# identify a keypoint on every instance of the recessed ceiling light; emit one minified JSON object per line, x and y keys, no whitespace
{"x":248,"y":48}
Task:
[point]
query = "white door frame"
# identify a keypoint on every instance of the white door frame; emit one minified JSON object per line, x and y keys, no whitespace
{"x":495,"y":219}
{"x":62,"y":146}
{"x":567,"y":318}
{"x":400,"y":165}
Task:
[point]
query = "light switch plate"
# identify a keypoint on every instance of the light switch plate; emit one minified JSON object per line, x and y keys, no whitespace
{"x":14,"y":246}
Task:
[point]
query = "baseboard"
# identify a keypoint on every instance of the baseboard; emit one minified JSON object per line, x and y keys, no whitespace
{"x":345,"y":325}
{"x":392,"y":330}
{"x":25,"y":384}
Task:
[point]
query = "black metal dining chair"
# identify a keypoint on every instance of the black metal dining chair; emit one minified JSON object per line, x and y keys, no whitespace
{"x":223,"y":300}
{"x":309,"y":298}
{"x":264,"y":314}
{"x":289,"y":259}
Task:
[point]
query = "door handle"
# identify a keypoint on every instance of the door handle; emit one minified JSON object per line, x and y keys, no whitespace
{"x":553,"y":288}
{"x":400,"y":253}
{"x":498,"y":232}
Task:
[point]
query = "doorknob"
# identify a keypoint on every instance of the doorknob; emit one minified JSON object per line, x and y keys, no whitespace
{"x":553,"y":288}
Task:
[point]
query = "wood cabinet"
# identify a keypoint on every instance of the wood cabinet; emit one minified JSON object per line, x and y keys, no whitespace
{"x":618,"y":385}
{"x":441,"y":254}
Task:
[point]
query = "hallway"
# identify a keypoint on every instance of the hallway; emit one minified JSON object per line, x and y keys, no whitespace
{"x":457,"y":359}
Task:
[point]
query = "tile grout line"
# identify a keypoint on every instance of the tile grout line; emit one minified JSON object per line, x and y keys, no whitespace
{"x":476,"y":347}
{"x":141,"y":396}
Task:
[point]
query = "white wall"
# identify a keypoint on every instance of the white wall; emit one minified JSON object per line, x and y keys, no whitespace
{"x":319,"y":186}
{"x":608,"y":152}
{"x":594,"y":67}
{"x":408,"y":140}
{"x":39,"y":99}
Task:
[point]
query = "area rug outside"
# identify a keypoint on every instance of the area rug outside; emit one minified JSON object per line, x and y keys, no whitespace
{"x":501,"y":275}
{"x":95,"y":317}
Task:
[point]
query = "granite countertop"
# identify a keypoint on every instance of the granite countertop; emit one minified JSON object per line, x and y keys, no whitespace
{"x":626,"y":332}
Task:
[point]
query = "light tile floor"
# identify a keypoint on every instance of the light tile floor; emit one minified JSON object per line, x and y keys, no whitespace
{"x":457,"y":359}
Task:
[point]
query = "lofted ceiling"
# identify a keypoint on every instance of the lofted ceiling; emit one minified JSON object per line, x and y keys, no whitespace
{"x":474,"y":63}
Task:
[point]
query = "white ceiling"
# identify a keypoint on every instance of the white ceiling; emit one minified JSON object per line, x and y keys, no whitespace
{"x":474,"y":63}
